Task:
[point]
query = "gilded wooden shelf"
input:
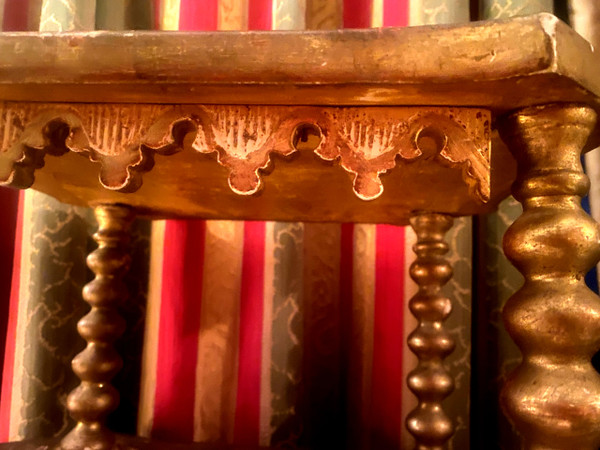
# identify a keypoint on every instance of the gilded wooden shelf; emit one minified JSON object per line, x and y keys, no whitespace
{"x":308,"y":126}
{"x":379,"y":125}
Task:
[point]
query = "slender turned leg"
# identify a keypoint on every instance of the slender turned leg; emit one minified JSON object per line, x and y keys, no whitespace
{"x":553,"y":397}
{"x":430,"y":381}
{"x":95,"y":398}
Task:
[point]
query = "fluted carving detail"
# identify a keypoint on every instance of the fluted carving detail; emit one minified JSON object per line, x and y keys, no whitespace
{"x":125,"y":138}
{"x":553,"y":396}
{"x":430,"y":341}
{"x":91,"y":402}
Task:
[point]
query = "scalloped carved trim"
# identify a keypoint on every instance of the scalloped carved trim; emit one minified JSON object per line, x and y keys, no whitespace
{"x":369,"y":140}
{"x":107,"y":134}
{"x":122,"y":138}
{"x":244,"y":138}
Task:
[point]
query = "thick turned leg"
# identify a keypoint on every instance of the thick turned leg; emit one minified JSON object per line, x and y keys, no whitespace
{"x":95,"y":398}
{"x":430,"y":381}
{"x":553,"y":397}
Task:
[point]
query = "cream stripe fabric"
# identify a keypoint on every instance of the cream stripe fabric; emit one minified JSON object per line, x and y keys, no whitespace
{"x":217,"y":368}
{"x":289,"y":14}
{"x":266,"y":409}
{"x":169,"y":14}
{"x":2,"y":3}
{"x":233,"y":15}
{"x":377,"y":13}
{"x":150,"y":353}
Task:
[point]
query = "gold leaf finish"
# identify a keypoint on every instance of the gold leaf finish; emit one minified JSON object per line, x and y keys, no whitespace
{"x":244,"y":139}
{"x":498,"y":65}
{"x":430,"y":341}
{"x":553,"y":397}
{"x":128,"y":140}
{"x":91,"y":402}
{"x":107,"y":134}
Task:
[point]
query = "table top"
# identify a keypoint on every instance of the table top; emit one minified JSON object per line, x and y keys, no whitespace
{"x":474,"y":64}
{"x":254,"y":125}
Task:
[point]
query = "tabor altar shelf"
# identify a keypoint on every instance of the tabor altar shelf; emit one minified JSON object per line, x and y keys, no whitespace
{"x":410,"y":125}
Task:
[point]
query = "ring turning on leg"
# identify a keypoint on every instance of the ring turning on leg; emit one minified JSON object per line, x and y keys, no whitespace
{"x":91,"y":402}
{"x":430,"y":341}
{"x":553,"y":396}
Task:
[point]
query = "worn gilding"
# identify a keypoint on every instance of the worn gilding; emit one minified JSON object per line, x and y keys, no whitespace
{"x":91,"y":402}
{"x":553,"y":397}
{"x":130,"y":142}
{"x":430,"y":381}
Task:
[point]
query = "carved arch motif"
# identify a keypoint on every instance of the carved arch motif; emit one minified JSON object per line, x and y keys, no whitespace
{"x":123,"y":138}
{"x":106,"y":134}
{"x":369,"y":142}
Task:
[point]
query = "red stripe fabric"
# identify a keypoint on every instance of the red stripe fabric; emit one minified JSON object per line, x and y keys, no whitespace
{"x":9,"y":203}
{"x":156,"y":14}
{"x":15,"y":19}
{"x":388,"y":337}
{"x":198,"y":15}
{"x":15,"y":15}
{"x":260,"y":14}
{"x":395,"y":13}
{"x":357,"y":13}
{"x":181,"y":300}
{"x":9,"y":355}
{"x":247,"y":418}
{"x":181,"y":297}
{"x":346,"y":272}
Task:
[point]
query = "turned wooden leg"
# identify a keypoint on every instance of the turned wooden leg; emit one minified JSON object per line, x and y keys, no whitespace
{"x":91,"y":402}
{"x":430,"y":341}
{"x":553,"y":397}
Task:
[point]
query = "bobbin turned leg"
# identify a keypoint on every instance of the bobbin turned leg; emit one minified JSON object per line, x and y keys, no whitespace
{"x":430,"y":381}
{"x":91,"y":402}
{"x":553,"y":397}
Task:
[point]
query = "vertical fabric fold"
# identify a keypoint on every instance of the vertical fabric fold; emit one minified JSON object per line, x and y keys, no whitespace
{"x":180,"y":306}
{"x":216,"y":368}
{"x":388,"y":345}
{"x":10,"y":353}
{"x":321,"y":392}
{"x":251,"y":316}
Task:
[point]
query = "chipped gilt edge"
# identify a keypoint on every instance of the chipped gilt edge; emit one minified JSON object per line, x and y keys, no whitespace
{"x":122,"y":138}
